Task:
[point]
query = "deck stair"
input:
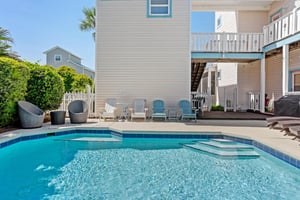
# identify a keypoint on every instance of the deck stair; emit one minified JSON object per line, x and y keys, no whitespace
{"x":224,"y":148}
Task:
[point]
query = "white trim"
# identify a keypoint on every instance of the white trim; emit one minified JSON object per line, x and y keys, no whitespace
{"x":293,"y":80}
{"x":285,"y":68}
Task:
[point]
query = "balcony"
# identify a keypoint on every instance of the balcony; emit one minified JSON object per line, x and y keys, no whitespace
{"x":281,"y":29}
{"x":227,"y":42}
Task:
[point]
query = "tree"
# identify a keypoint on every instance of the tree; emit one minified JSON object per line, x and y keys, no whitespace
{"x":5,"y":39}
{"x":68,"y":74}
{"x":45,"y":88}
{"x":80,"y":83}
{"x":89,"y":22}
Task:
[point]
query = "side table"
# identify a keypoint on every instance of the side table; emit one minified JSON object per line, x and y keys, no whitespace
{"x":57,"y":117}
{"x":172,"y":114}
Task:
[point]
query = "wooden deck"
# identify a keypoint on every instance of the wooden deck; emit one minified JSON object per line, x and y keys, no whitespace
{"x":235,"y":115}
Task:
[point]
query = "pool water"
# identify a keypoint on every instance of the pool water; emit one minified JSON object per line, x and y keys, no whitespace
{"x":69,"y":167}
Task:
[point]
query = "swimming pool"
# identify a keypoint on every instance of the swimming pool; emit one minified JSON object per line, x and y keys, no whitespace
{"x":82,"y":166}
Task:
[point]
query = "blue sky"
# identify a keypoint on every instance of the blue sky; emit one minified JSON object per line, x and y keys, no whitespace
{"x":38,"y":25}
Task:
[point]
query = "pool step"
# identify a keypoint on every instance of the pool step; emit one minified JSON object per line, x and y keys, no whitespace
{"x":224,"y":149}
{"x":226,"y":146}
{"x":95,"y":139}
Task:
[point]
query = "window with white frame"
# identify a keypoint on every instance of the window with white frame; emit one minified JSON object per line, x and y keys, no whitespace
{"x":296,"y":81}
{"x":159,"y":8}
{"x":57,"y":58}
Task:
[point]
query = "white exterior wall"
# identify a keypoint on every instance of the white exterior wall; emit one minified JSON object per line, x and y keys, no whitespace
{"x":248,"y":81}
{"x":141,"y":57}
{"x":252,"y":21}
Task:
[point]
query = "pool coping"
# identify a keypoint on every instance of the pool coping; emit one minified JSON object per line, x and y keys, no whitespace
{"x":14,"y":137}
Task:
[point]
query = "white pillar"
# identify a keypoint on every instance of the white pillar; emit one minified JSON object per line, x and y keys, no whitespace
{"x":262,"y":83}
{"x":209,"y":88}
{"x":285,"y":68}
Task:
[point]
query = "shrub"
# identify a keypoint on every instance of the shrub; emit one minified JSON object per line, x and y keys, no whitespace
{"x":13,"y":78}
{"x":217,"y":108}
{"x":68,"y":74}
{"x":80,"y":83}
{"x":45,"y":88}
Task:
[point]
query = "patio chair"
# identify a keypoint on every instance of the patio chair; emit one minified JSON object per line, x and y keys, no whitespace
{"x":78,"y":111}
{"x":139,"y":110}
{"x":286,"y":124}
{"x":295,"y":131}
{"x":273,"y":121}
{"x":109,"y":109}
{"x":158,"y":110}
{"x":186,"y":110}
{"x":30,"y":115}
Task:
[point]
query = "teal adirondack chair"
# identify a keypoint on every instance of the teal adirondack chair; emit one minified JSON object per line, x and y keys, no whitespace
{"x":186,"y":110}
{"x":158,"y":110}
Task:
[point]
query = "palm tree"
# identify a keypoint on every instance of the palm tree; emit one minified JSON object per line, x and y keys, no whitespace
{"x":5,"y":39}
{"x":89,"y":23}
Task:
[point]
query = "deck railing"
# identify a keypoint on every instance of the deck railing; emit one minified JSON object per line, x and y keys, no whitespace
{"x":226,"y":42}
{"x":283,"y":27}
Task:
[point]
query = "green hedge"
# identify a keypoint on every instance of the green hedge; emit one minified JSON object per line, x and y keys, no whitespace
{"x":13,"y":79}
{"x":45,"y":88}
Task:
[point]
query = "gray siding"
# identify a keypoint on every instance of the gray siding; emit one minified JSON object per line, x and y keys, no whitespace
{"x":67,"y":59}
{"x":140,"y":57}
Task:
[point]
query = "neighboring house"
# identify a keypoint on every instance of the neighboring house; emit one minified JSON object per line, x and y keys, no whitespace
{"x":144,"y":49}
{"x":58,"y":56}
{"x":256,"y":50}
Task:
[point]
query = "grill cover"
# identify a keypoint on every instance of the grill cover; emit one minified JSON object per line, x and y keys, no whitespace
{"x":288,"y":105}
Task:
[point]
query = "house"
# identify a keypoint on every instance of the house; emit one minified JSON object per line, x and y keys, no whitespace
{"x":144,"y":49}
{"x":259,"y":52}
{"x":58,"y":56}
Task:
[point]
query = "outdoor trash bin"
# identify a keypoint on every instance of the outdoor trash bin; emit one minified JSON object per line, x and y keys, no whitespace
{"x":57,"y":117}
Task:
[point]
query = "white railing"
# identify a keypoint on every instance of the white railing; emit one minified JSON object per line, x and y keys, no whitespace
{"x":283,"y":27}
{"x":227,"y":42}
{"x":88,"y":97}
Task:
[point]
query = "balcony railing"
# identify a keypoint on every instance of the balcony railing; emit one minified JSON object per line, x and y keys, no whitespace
{"x":227,"y":42}
{"x":283,"y":27}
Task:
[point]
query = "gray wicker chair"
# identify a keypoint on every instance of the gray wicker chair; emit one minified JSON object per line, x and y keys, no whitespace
{"x":78,"y":111}
{"x":30,"y":115}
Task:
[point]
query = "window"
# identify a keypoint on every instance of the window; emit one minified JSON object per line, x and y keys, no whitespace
{"x":276,"y":15}
{"x":159,"y":8}
{"x":57,"y":58}
{"x":296,"y":81}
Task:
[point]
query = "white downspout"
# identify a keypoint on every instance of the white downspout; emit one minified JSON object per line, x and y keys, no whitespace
{"x":262,"y":83}
{"x":285,"y":68}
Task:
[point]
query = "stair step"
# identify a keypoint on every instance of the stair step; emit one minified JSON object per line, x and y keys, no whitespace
{"x":221,"y":153}
{"x":224,"y":141}
{"x":226,"y":146}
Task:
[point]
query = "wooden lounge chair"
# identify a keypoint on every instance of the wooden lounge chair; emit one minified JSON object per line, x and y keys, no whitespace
{"x":294,"y":130}
{"x":158,"y":110}
{"x":139,"y":110}
{"x":286,"y":124}
{"x":273,"y":121}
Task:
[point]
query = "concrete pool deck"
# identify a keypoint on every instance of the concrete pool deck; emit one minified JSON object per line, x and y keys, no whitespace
{"x":248,"y":129}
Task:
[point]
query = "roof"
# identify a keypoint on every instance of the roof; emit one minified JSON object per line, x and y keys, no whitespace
{"x":57,"y":47}
{"x":231,"y":5}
